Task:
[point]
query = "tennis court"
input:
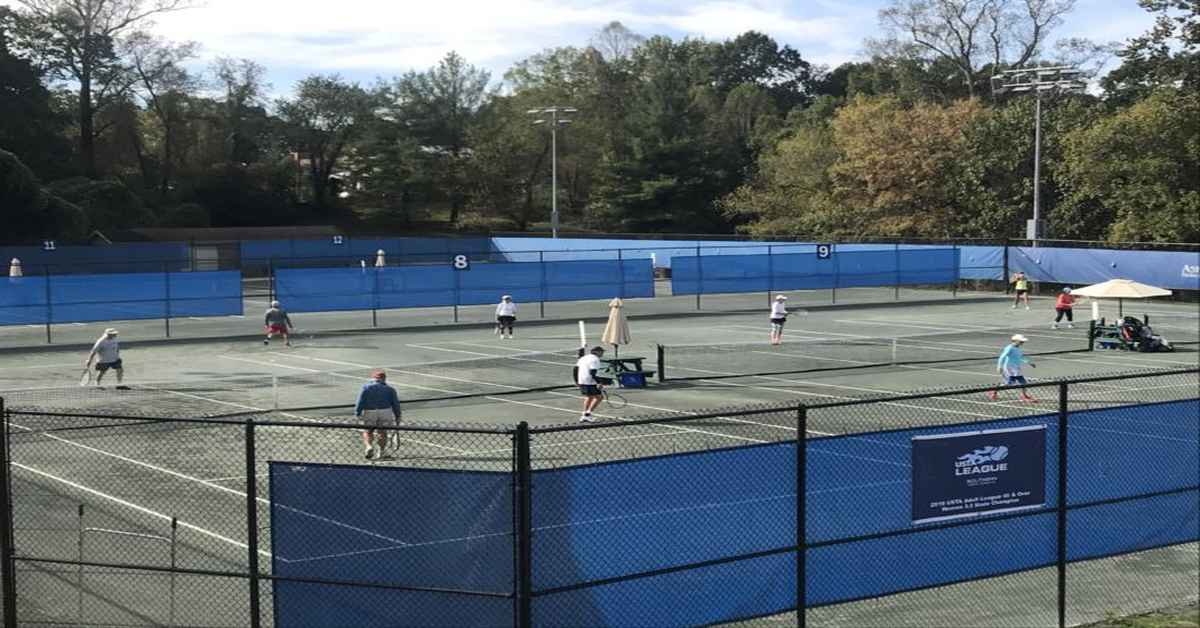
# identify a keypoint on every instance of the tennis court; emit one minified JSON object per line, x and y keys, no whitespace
{"x":108,"y":490}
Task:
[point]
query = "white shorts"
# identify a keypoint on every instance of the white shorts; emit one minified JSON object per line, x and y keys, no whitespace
{"x":379,"y":418}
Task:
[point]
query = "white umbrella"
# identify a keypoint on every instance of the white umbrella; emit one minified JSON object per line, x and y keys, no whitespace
{"x":14,"y":269}
{"x":1121,"y":289}
{"x":616,"y":332}
{"x":379,"y":262}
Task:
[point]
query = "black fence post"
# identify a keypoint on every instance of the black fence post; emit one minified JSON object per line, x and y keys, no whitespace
{"x":542,"y":270}
{"x":1004,"y":278}
{"x":699,"y":276}
{"x":167,"y":301}
{"x":1062,"y":504}
{"x":49,"y":305}
{"x":770,"y":274}
{"x":801,"y":514}
{"x":524,"y":531}
{"x":896,"y":257}
{"x":375,"y":287}
{"x":957,"y":270}
{"x":252,"y":525}
{"x":8,"y":572}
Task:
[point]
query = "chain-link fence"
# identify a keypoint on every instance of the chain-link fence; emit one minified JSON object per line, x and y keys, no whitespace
{"x":658,"y":520}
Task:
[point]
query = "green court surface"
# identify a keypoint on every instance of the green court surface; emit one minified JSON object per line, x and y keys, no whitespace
{"x":119,"y":476}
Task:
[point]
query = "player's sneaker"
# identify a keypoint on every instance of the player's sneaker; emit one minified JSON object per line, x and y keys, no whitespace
{"x":1053,"y":325}
{"x":369,"y":453}
{"x":587,"y":418}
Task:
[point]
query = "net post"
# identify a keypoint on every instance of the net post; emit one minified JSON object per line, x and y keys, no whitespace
{"x":252,"y":525}
{"x":524,"y":523}
{"x":801,"y":514}
{"x":662,"y":364}
{"x":1062,"y":504}
{"x":8,"y":572}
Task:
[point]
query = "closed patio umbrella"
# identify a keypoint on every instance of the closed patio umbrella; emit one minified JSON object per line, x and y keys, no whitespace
{"x":1121,"y":289}
{"x":616,"y":331}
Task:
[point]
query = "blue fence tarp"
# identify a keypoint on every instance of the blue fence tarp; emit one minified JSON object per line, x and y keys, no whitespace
{"x":128,"y":257}
{"x":806,"y":271}
{"x":982,"y":262}
{"x":1165,"y":269}
{"x":331,"y":289}
{"x":128,"y":296}
{"x":449,"y":536}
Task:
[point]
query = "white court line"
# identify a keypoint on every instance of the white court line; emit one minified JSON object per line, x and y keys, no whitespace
{"x":142,"y":509}
{"x":189,"y":478}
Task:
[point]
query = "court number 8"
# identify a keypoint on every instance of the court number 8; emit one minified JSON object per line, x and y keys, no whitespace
{"x":461,"y":262}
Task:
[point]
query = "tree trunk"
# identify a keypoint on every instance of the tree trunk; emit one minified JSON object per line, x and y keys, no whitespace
{"x":87,"y":133}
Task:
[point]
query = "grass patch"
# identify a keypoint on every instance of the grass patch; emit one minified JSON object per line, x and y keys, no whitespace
{"x":1182,"y":617}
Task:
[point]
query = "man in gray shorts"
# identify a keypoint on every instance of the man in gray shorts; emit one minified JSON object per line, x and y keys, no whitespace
{"x":378,"y":407}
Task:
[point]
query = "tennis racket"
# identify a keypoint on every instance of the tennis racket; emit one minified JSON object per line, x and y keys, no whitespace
{"x":614,"y":400}
{"x":85,"y":377}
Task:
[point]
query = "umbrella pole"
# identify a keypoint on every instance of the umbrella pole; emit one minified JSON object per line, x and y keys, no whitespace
{"x":1120,"y":309}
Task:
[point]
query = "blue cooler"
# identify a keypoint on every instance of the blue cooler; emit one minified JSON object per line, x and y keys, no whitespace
{"x":632,"y":380}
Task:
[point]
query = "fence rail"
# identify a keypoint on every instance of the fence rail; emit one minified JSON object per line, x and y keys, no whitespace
{"x":696,"y":519}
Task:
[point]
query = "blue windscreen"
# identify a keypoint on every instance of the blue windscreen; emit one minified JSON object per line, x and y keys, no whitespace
{"x":113,"y":297}
{"x":631,"y":517}
{"x":431,"y":285}
{"x":860,"y":267}
{"x":432,"y":547}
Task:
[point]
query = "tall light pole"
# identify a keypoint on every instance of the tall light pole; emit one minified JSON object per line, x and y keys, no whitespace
{"x":550,"y":115}
{"x":1058,"y":79}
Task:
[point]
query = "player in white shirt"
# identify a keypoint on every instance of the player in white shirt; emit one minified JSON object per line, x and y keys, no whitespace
{"x":109,"y":353}
{"x":778,"y":318}
{"x":506,"y":315}
{"x":585,"y":375}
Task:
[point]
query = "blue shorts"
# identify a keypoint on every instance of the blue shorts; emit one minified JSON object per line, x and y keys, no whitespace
{"x":589,"y":390}
{"x":1015,"y":379}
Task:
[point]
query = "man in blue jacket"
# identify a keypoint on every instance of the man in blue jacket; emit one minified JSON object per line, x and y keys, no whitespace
{"x":378,"y":407}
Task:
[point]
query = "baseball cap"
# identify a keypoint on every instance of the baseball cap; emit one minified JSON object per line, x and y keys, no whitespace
{"x":780,"y":297}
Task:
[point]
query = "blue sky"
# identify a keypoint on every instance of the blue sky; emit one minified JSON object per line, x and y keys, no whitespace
{"x":365,"y":39}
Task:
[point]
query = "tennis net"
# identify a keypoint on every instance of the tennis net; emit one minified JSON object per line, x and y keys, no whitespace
{"x":720,"y":361}
{"x":311,"y":391}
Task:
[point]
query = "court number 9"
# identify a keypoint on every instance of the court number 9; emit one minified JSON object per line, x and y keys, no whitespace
{"x":461,"y":262}
{"x":824,"y":251}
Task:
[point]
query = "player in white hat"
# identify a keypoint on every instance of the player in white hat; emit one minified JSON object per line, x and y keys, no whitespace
{"x":1009,"y":365}
{"x":109,"y":353}
{"x":778,"y":318}
{"x":506,"y":315}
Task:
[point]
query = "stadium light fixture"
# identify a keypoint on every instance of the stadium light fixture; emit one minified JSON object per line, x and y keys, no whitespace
{"x":1059,"y":79}
{"x":552,"y":116}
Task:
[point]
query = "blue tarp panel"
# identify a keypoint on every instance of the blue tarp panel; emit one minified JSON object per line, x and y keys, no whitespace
{"x":329,"y":289}
{"x":23,"y":301}
{"x":449,"y":530}
{"x":311,"y":252}
{"x":130,"y":257}
{"x":111,"y":297}
{"x":628,"y":517}
{"x":805,"y":271}
{"x":1165,"y":269}
{"x":982,"y":262}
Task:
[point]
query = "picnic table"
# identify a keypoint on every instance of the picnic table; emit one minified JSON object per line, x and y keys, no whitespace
{"x":631,"y":365}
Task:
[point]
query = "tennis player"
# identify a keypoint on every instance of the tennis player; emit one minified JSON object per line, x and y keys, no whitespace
{"x":778,"y":318}
{"x":378,"y":407}
{"x":108,"y":350}
{"x":1010,"y":363}
{"x":277,"y":322}
{"x":1021,"y":286}
{"x":506,"y":315}
{"x":1063,"y":307}
{"x":586,"y":369}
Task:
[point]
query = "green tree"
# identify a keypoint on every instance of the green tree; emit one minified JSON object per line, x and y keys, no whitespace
{"x":1166,"y":56}
{"x":1140,"y":164}
{"x":753,"y":58}
{"x":78,"y":40}
{"x":31,"y":213}
{"x":32,"y":126}
{"x":322,"y":121}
